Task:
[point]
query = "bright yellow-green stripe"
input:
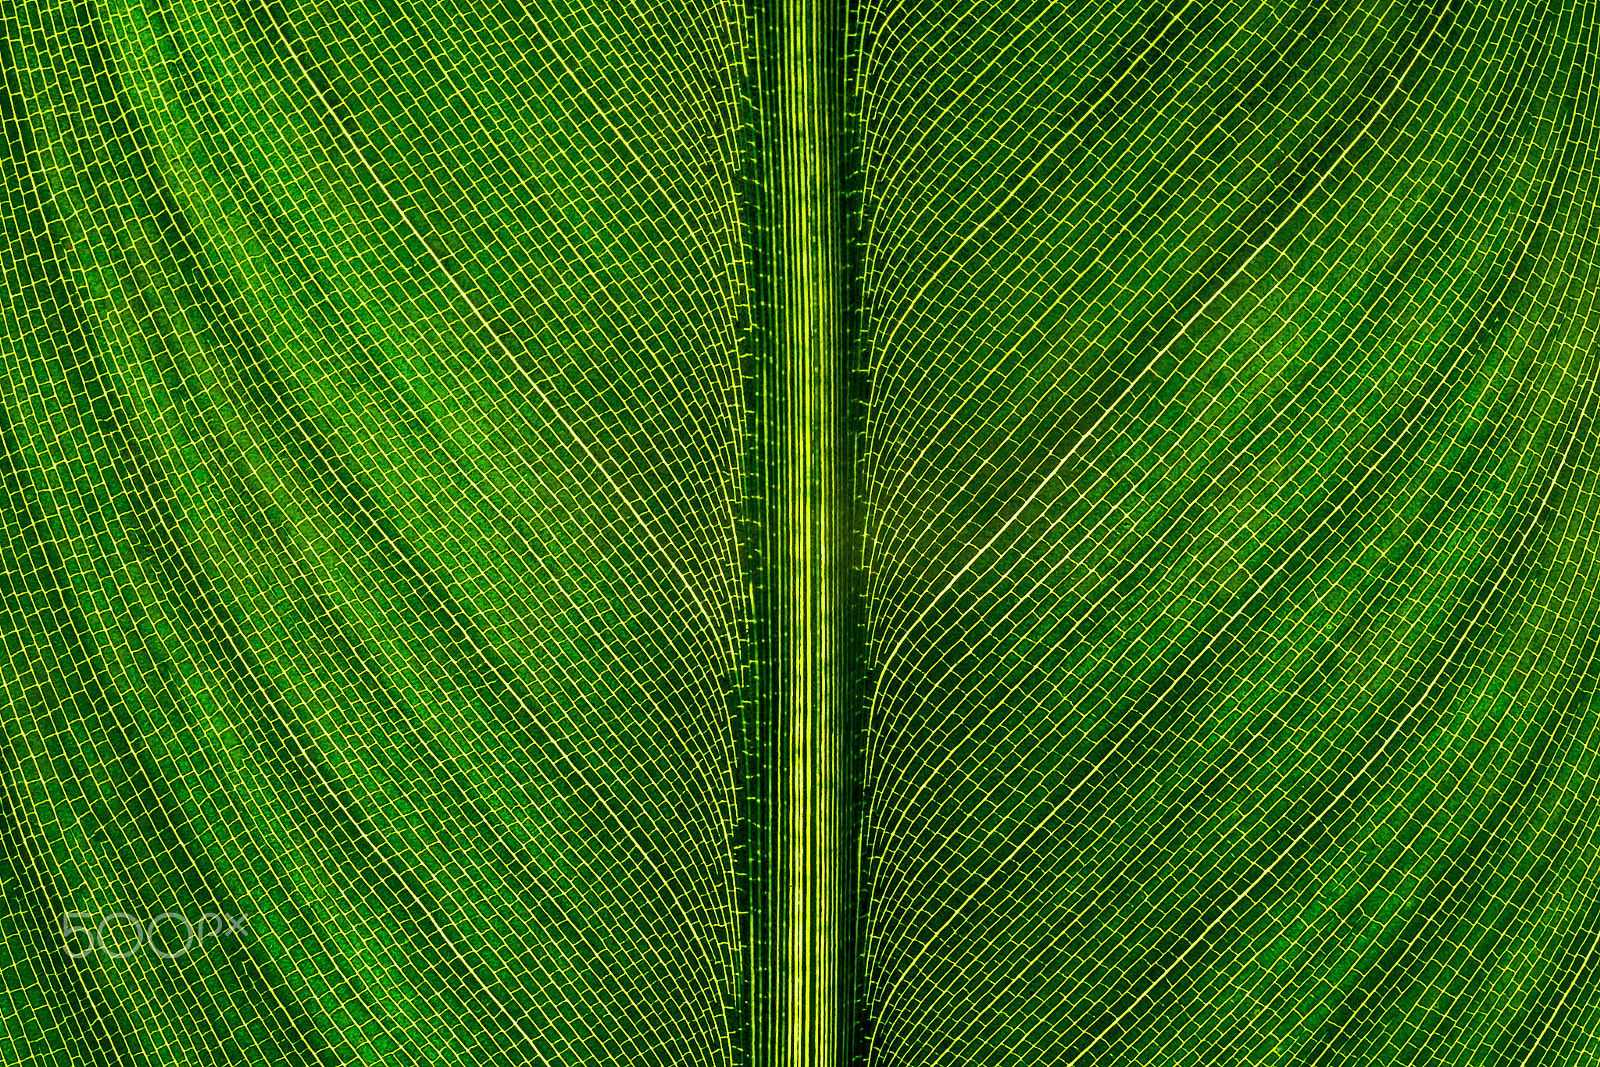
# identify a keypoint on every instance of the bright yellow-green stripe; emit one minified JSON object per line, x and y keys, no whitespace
{"x":809,"y":267}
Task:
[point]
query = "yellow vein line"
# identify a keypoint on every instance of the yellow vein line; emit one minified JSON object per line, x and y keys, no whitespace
{"x":589,"y":454}
{"x":1105,"y":412}
{"x":1265,"y":243}
{"x":1266,"y":872}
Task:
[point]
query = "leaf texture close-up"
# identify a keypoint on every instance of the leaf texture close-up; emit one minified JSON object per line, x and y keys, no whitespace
{"x":881,"y":532}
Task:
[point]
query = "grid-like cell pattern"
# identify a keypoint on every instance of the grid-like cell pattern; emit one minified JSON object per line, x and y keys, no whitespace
{"x":372,"y":417}
{"x":1228,"y":495}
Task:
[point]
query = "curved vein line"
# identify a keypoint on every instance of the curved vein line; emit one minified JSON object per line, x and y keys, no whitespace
{"x":1153,"y":360}
{"x":494,"y":335}
{"x":1266,"y":242}
{"x":1360,"y":772}
{"x":588,"y":453}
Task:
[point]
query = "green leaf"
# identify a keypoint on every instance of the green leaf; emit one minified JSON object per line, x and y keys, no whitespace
{"x":804,"y":534}
{"x":1228,"y":528}
{"x":372,"y":431}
